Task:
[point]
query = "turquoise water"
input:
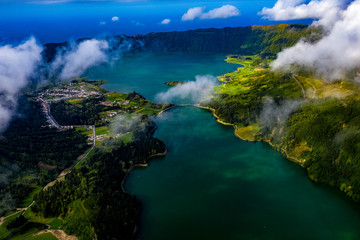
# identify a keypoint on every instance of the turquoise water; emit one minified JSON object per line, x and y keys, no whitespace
{"x":147,"y":74}
{"x":212,"y":185}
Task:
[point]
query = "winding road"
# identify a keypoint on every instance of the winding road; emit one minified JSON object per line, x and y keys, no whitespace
{"x":53,"y":123}
{"x":302,"y":89}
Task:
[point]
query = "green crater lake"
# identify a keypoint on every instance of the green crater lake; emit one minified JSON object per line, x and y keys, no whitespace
{"x":212,"y":185}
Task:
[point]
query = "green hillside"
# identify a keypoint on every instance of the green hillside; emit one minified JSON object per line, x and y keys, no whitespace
{"x":313,"y":123}
{"x":64,"y":177}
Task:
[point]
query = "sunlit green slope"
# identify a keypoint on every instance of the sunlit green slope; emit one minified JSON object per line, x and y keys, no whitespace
{"x":314,"y":123}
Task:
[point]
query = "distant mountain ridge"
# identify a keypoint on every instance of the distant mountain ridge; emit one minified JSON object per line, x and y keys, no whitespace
{"x":265,"y":40}
{"x":244,"y":40}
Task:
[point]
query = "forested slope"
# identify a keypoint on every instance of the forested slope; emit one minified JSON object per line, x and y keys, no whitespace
{"x":87,"y":199}
{"x":313,"y":122}
{"x":264,"y":40}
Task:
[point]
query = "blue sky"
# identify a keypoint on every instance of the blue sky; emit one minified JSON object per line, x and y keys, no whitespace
{"x":61,"y":20}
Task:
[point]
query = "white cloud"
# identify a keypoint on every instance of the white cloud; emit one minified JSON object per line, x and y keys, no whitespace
{"x":22,"y":63}
{"x":127,"y":123}
{"x":326,"y":12}
{"x":165,"y":21}
{"x":17,"y":66}
{"x":115,"y":18}
{"x":274,"y":113}
{"x":193,"y":13}
{"x":76,"y":60}
{"x":336,"y":55}
{"x":226,"y":11}
{"x":194,"y":91}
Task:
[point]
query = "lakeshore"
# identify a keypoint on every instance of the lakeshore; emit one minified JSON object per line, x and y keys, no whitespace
{"x":247,"y":185}
{"x":241,"y":183}
{"x":282,"y":150}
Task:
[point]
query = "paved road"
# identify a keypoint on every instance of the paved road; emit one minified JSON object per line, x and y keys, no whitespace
{"x":48,"y":116}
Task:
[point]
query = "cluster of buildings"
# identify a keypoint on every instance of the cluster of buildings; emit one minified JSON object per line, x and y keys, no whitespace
{"x":97,"y":137}
{"x":66,"y":92}
{"x":115,"y":103}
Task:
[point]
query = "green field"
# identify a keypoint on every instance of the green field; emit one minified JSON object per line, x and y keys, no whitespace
{"x":114,"y":96}
{"x":248,"y":133}
{"x":43,"y":236}
{"x":14,"y":228}
{"x":28,"y":200}
{"x":126,"y":138}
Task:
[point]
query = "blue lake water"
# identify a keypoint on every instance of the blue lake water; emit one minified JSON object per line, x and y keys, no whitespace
{"x":212,"y":185}
{"x":147,"y":74}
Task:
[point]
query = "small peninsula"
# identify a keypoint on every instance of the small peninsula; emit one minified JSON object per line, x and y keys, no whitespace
{"x":174,"y":83}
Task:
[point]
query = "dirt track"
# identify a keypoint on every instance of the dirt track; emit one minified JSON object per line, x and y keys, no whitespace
{"x":59,"y":234}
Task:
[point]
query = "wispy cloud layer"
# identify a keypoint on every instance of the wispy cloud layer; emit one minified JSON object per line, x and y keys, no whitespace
{"x":326,"y":12}
{"x":21,"y":64}
{"x":337,"y":54}
{"x":226,"y":11}
{"x":274,"y":113}
{"x":76,"y":60}
{"x":165,"y":21}
{"x":193,"y":91}
{"x":17,"y":65}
